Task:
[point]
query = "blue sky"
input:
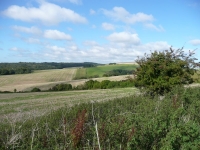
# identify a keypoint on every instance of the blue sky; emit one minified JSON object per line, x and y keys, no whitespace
{"x":95,"y":31}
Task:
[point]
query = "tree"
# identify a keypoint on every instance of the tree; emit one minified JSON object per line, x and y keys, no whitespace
{"x":159,"y":72}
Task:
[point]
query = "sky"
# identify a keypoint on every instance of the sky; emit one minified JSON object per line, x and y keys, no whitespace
{"x":96,"y":31}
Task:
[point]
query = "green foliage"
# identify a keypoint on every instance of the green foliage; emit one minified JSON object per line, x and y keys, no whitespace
{"x":105,"y":84}
{"x":117,"y":72}
{"x":61,"y":87}
{"x":35,"y":90}
{"x":10,"y":71}
{"x":134,"y":122}
{"x":159,"y":72}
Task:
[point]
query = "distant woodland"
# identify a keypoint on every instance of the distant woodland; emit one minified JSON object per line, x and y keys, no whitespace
{"x":28,"y":67}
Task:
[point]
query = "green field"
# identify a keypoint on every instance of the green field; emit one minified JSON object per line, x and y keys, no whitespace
{"x":100,"y":70}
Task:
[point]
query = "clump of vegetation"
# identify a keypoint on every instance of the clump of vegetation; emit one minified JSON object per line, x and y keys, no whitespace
{"x":105,"y":84}
{"x":159,"y":72}
{"x":61,"y":87}
{"x":118,"y":72}
{"x":36,"y":89}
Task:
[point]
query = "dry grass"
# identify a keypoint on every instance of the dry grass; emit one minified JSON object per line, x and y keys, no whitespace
{"x":20,"y":106}
{"x":22,"y":82}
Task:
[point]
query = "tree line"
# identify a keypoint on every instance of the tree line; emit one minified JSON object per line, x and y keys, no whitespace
{"x":28,"y":67}
{"x":91,"y":84}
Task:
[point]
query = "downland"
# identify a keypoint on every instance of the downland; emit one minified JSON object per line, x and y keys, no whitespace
{"x":45,"y":79}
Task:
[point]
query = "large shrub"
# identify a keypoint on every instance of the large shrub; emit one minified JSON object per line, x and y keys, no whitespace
{"x":35,"y":90}
{"x":159,"y":72}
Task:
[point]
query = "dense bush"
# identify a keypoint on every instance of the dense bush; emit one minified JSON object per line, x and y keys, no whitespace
{"x":160,"y":71}
{"x":35,"y":90}
{"x":134,"y":122}
{"x":118,"y":72}
{"x":61,"y":87}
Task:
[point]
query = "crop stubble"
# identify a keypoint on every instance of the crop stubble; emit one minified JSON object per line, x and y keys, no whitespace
{"x":27,"y":105}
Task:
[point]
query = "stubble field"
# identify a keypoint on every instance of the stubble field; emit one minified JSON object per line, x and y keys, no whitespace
{"x":22,"y":106}
{"x":23,"y":82}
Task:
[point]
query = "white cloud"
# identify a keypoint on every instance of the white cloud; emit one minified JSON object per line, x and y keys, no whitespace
{"x":124,"y":37}
{"x":47,"y":13}
{"x":153,"y":27}
{"x":92,"y":12}
{"x":195,"y":42}
{"x":93,"y":52}
{"x":121,"y":14}
{"x":32,"y":30}
{"x":119,"y":53}
{"x":108,"y":26}
{"x":56,"y":49}
{"x":56,"y":35}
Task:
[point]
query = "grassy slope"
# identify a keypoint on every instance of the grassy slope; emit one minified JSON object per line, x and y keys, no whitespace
{"x":23,"y":105}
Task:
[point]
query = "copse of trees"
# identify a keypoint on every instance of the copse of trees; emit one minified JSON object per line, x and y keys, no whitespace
{"x":61,"y":87}
{"x":159,"y":72}
{"x":11,"y":71}
{"x":117,"y":72}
